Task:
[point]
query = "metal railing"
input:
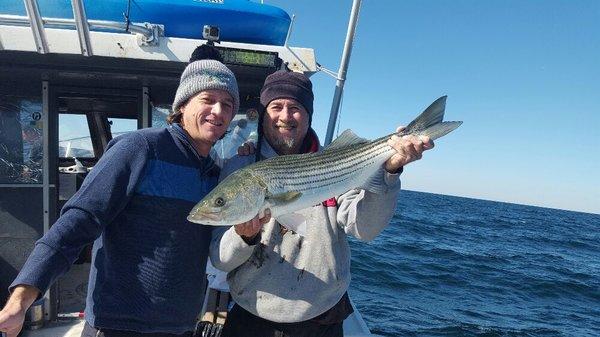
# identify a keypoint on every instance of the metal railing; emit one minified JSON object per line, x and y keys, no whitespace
{"x":37,"y":26}
{"x":149,"y":32}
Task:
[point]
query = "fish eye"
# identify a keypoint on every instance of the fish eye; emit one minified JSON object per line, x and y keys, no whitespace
{"x":219,"y":202}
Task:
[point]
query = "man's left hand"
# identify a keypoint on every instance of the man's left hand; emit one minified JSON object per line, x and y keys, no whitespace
{"x":408,"y":149}
{"x":249,"y":229}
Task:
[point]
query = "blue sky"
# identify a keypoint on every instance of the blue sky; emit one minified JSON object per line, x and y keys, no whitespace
{"x":524,"y":76}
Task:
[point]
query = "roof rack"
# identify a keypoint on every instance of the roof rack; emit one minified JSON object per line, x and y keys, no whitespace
{"x":121,"y":40}
{"x":149,"y":33}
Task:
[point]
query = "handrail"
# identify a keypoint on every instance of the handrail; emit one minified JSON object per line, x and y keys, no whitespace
{"x":34,"y":20}
{"x":81,"y":25}
{"x":138,"y":28}
{"x":149,"y":31}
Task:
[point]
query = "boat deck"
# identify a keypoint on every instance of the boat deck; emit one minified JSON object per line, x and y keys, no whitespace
{"x":354,"y":326}
{"x":73,"y":288}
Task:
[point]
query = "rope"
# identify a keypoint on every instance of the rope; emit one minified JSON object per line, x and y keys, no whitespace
{"x":126,"y":15}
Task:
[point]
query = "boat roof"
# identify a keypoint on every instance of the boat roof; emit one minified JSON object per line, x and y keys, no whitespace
{"x":132,"y":46}
{"x":123,"y":60}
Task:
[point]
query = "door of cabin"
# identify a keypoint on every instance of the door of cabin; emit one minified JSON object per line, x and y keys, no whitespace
{"x":50,"y":138}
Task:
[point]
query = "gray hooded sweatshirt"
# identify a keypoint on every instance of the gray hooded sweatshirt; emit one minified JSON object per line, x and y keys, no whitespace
{"x":290,"y":278}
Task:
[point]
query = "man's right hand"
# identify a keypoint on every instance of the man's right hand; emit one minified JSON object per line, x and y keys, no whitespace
{"x":249,"y":229}
{"x":13,"y":314}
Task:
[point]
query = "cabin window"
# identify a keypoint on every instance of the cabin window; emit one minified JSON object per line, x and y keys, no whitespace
{"x":74,"y":138}
{"x":159,"y":115}
{"x":241,"y":129}
{"x":21,"y":141}
{"x":119,"y":126}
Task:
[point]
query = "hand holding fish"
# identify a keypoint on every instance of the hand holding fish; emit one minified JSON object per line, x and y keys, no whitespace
{"x":408,"y":149}
{"x":248,"y":230}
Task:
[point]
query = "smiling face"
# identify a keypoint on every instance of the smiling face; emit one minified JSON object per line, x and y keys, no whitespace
{"x":205,"y":118}
{"x":285,"y":125}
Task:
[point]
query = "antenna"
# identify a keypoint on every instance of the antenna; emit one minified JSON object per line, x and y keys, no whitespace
{"x":341,"y":75}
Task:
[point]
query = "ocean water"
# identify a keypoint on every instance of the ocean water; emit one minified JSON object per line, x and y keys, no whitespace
{"x":450,"y":266}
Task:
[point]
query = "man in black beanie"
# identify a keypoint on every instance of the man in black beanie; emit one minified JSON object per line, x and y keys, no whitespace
{"x":283,"y":283}
{"x":286,"y":131}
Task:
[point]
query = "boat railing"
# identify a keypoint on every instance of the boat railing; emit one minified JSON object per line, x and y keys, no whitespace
{"x":128,"y":40}
{"x":148,"y":32}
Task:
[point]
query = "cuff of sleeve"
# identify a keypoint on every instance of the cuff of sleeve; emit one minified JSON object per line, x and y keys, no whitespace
{"x":252,"y":241}
{"x":41,"y":269}
{"x":234,"y":241}
{"x":392,"y":179}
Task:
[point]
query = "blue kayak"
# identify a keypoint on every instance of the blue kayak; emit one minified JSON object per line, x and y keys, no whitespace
{"x":238,"y":20}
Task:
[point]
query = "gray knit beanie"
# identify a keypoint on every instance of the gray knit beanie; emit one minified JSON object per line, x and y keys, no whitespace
{"x":205,"y":75}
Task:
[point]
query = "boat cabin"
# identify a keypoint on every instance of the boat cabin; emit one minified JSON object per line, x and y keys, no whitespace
{"x":73,"y":78}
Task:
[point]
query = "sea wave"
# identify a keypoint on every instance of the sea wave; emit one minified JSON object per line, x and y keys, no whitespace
{"x":449,"y":266}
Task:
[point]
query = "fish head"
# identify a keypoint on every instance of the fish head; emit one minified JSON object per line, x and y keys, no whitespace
{"x":236,"y":199}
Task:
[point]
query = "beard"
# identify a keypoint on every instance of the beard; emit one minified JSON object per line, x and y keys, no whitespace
{"x":284,"y":145}
{"x":284,"y":142}
{"x":281,"y":144}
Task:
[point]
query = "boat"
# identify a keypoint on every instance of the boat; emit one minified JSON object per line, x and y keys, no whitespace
{"x":70,"y":83}
{"x":238,"y":20}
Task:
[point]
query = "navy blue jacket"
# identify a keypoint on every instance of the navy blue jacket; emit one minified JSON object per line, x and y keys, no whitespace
{"x":148,"y":262}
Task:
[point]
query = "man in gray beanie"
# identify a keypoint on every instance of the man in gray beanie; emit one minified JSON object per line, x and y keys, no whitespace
{"x":295,"y":284}
{"x":205,"y":81}
{"x":148,"y":267}
{"x":203,"y":75}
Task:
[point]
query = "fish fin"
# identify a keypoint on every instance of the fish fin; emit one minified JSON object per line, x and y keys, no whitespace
{"x":376,"y":183}
{"x":294,"y":222}
{"x":441,"y":129}
{"x":432,"y":115}
{"x":283,"y":198}
{"x":346,"y":138}
{"x":430,"y":123}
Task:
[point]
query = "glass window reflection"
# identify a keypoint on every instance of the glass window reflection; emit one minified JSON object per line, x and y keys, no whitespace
{"x":21,"y":141}
{"x":74,"y":138}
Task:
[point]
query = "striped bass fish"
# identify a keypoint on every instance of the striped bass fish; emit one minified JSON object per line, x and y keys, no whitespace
{"x":287,"y":184}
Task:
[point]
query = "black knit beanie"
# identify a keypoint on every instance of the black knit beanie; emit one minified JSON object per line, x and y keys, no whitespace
{"x":288,"y":84}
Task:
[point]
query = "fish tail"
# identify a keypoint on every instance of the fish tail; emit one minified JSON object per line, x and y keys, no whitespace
{"x":441,"y":129}
{"x":430,"y":122}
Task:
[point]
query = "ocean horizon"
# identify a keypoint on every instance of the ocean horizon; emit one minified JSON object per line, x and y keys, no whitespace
{"x":458,"y":266}
{"x":505,"y":202}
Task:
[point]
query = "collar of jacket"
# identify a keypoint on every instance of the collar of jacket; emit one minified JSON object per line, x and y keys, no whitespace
{"x":206,"y":163}
{"x":311,"y":142}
